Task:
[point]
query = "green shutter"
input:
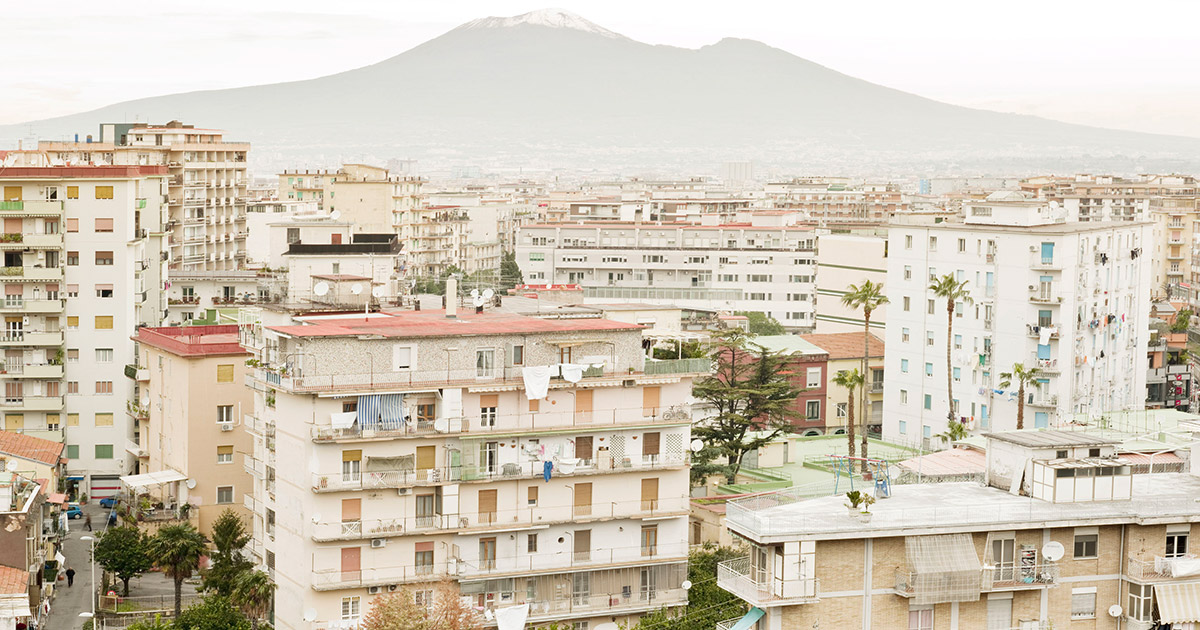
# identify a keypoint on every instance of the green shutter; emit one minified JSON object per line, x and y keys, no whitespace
{"x":104,"y":451}
{"x":72,"y":451}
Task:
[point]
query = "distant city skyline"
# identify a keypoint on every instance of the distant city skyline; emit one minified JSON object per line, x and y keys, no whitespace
{"x":1067,"y":62}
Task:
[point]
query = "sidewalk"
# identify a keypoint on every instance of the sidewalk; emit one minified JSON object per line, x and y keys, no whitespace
{"x":70,"y":601}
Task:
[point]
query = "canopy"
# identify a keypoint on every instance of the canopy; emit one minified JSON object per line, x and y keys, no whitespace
{"x":383,"y":412}
{"x":751,"y":618}
{"x":1178,"y":603}
{"x":945,"y":568}
{"x":390,"y":464}
{"x":138,"y":482}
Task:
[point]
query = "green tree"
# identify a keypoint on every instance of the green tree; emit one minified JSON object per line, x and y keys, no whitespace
{"x":177,"y":550}
{"x":229,"y":536}
{"x":449,"y":611}
{"x":690,"y":350}
{"x":867,"y":296}
{"x":122,"y":552}
{"x":1022,"y":377}
{"x":158,"y":623}
{"x":953,"y":291}
{"x":212,"y":613}
{"x":707,"y":602}
{"x":1182,"y":320}
{"x":253,"y":592}
{"x":762,"y":324}
{"x":396,"y":611}
{"x":750,"y":394}
{"x":851,"y":380}
{"x":954,"y":432}
{"x":510,"y":271}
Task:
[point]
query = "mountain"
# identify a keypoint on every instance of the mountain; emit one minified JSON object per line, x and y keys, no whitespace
{"x":549,"y":88}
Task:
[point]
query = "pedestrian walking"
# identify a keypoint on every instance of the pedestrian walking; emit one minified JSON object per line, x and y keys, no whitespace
{"x":70,"y":576}
{"x":87,"y":522}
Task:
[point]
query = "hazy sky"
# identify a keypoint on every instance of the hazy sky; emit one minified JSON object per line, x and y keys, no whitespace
{"x":1118,"y":64}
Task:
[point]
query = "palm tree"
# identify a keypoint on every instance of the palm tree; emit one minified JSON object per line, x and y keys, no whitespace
{"x":177,"y":550}
{"x":849,"y":380}
{"x":953,"y":291}
{"x":868,"y":296}
{"x":252,"y":592}
{"x":1022,"y":377}
{"x":954,"y":432}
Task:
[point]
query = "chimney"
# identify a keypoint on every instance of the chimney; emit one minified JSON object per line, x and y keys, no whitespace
{"x":451,"y":297}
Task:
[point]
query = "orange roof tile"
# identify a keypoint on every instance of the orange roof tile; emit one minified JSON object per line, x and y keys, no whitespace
{"x":845,"y":345}
{"x":13,"y":581}
{"x":436,"y":324}
{"x":29,"y":447}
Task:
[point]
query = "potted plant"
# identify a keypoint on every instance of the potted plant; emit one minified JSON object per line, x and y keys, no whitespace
{"x":856,"y":499}
{"x":865,"y":514}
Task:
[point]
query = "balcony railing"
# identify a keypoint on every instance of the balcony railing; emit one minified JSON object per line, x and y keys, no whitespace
{"x":738,"y":577}
{"x":505,"y":520}
{"x":557,"y":560}
{"x":1045,"y":295}
{"x":1035,"y":330}
{"x":1163,"y":569}
{"x":999,"y":578}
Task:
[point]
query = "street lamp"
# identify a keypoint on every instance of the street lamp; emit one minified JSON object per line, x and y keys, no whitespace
{"x":92,"y":540}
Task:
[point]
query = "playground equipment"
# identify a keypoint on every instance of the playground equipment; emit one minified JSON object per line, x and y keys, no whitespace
{"x":876,"y":474}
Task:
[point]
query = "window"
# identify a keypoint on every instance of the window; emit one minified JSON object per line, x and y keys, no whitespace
{"x":531,"y":543}
{"x":812,"y":409}
{"x":518,"y":355}
{"x":73,"y":387}
{"x":928,"y":401}
{"x":1141,"y":600}
{"x":104,"y":387}
{"x":104,"y":451}
{"x":72,"y":192}
{"x":904,"y":365}
{"x":104,"y":258}
{"x":104,"y":322}
{"x":1083,"y":603}
{"x":224,"y":494}
{"x":225,"y":373}
{"x":962,"y":245}
{"x":104,"y":290}
{"x":933,"y":243}
{"x":72,"y":451}
{"x":104,"y":225}
{"x":920,"y":618}
{"x":929,"y":337}
{"x":958,"y":342}
{"x":487,"y":410}
{"x":903,"y":427}
{"x":104,"y":355}
{"x":72,"y":225}
{"x":531,"y":496}
{"x":928,"y":369}
{"x":104,"y":419}
{"x":841,"y":410}
{"x":908,"y":272}
{"x":931,"y":307}
{"x":957,"y":374}
{"x":423,"y":558}
{"x":225,"y":454}
{"x":649,"y":540}
{"x":224,"y":414}
{"x":904,"y":335}
{"x":1085,"y":545}
{"x":72,"y":259}
{"x":402,"y":358}
{"x":904,"y":397}
{"x":813,"y":377}
{"x":351,"y":466}
{"x":72,"y":355}
{"x":537,"y":256}
{"x":485,"y":363}
{"x":1177,"y":544}
{"x":908,"y":241}
{"x":73,"y":291}
{"x":104,"y":192}
{"x":907,"y":302}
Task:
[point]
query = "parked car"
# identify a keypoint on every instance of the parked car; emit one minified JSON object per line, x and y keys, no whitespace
{"x":108,"y":502}
{"x":73,"y":511}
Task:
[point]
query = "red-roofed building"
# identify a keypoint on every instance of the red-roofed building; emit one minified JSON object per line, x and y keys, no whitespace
{"x":35,"y":457}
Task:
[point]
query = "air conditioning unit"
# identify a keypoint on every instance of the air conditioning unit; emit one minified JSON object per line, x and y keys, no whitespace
{"x":403,"y":491}
{"x":392,"y":587}
{"x":629,"y":383}
{"x":1033,"y":248}
{"x":226,"y":426}
{"x":373,"y":590}
{"x":377,"y":543}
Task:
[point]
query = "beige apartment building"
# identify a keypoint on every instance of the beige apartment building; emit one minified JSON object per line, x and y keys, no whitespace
{"x":1062,"y":536}
{"x":1175,"y":229}
{"x":528,"y":460}
{"x":190,"y":439}
{"x":206,"y":199}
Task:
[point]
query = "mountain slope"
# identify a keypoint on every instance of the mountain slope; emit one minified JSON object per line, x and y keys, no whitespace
{"x":550,"y":87}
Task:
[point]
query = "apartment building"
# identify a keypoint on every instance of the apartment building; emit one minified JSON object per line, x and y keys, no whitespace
{"x":1061,"y":536}
{"x":31,"y":525}
{"x":529,"y":460}
{"x":1070,"y":298}
{"x":206,"y":198}
{"x":837,"y":200}
{"x":762,"y":265}
{"x":844,"y":260}
{"x":84,"y":266}
{"x":1175,"y":232}
{"x":808,"y":369}
{"x":844,"y":352}
{"x":1169,"y":381}
{"x":190,"y":438}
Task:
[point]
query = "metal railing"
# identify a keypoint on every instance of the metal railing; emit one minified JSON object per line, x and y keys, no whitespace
{"x":553,"y":561}
{"x":740,"y":578}
{"x":1159,"y":568}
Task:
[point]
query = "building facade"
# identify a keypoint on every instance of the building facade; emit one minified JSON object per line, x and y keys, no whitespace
{"x":844,"y":260}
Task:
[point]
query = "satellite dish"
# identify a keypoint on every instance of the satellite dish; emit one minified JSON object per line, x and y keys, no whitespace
{"x":474,"y":292}
{"x":1053,"y":551}
{"x":322,"y":288}
{"x":191,"y":484}
{"x":11,"y":465}
{"x":316,"y":518}
{"x":377,"y":292}
{"x":441,"y":425}
{"x":687,"y":584}
{"x":1115,"y":610}
{"x":335,"y":215}
{"x":310,"y":614}
{"x":478,"y":301}
{"x":488,"y":293}
{"x":356,"y":288}
{"x":697,"y":446}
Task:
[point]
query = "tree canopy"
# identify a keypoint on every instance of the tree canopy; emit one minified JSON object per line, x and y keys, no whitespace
{"x":762,"y":324}
{"x":122,"y":552}
{"x":707,"y":602}
{"x":230,"y":537}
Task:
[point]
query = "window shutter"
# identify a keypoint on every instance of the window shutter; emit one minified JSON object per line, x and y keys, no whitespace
{"x":352,"y":456}
{"x":650,"y":400}
{"x":583,"y":447}
{"x":225,"y":373}
{"x":650,"y":442}
{"x":489,"y":400}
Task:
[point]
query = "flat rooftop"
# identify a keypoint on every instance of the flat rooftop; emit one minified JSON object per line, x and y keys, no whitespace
{"x":1041,"y":438}
{"x":937,"y":508}
{"x":193,"y":341}
{"x":408,"y":324}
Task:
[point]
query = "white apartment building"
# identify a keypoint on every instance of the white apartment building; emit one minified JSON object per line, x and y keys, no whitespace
{"x":1071,"y":298}
{"x":84,"y":267}
{"x":206,"y":204}
{"x":403,"y":448}
{"x":844,"y":260}
{"x":762,"y":265}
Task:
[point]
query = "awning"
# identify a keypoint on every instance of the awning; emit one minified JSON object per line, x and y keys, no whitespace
{"x":75,"y":478}
{"x":748,"y":621}
{"x":382,"y":412}
{"x":945,"y":568}
{"x":1178,"y":603}
{"x":152,"y":478}
{"x":390,"y":464}
{"x":57,"y":498}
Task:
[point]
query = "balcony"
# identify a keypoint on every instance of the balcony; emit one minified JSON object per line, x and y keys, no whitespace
{"x":32,"y":272}
{"x":335,"y":578}
{"x":31,"y":306}
{"x":555,"y":560}
{"x":31,"y":338}
{"x":1045,"y":294}
{"x":33,"y":403}
{"x":31,"y":208}
{"x":1035,"y":331}
{"x":1042,"y":400}
{"x":40,"y":370}
{"x":499,"y":521}
{"x":1163,"y":569}
{"x":137,"y":373}
{"x":1046,"y":366}
{"x":875,"y":387}
{"x":738,"y":577}
{"x":992,"y":579}
{"x":1044,"y":263}
{"x":135,"y":449}
{"x":32,"y":241}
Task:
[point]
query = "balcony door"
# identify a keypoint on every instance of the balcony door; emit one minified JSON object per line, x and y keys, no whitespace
{"x":1003,"y":554}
